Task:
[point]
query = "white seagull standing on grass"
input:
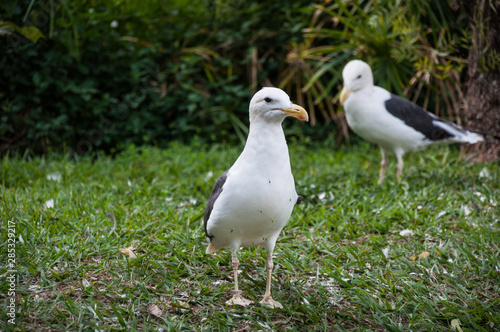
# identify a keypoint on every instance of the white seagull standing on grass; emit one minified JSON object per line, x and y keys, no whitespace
{"x":252,"y":201}
{"x":397,"y":125}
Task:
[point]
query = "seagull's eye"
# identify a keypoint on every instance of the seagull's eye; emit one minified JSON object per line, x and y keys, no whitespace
{"x":359,"y":76}
{"x":268,"y":100}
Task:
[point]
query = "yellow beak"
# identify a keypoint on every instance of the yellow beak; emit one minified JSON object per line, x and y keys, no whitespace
{"x":344,"y":94}
{"x":297,"y":112}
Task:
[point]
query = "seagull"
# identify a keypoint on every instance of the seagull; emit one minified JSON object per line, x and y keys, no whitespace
{"x":397,"y":125}
{"x":252,"y":201}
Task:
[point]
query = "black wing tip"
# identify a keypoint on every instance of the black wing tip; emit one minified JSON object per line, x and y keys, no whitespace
{"x":299,"y":199}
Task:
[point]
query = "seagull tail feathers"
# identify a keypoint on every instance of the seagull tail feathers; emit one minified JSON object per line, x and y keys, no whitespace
{"x":211,"y":249}
{"x":474,"y":137}
{"x":459,"y":134}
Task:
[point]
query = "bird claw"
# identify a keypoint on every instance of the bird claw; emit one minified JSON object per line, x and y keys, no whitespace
{"x":237,"y":299}
{"x":268,"y":302}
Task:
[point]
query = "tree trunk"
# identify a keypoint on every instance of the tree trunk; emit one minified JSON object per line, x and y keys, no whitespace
{"x":482,"y":96}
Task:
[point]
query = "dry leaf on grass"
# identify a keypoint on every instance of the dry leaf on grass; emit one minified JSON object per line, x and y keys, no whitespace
{"x":154,"y":310}
{"x":455,"y":323}
{"x":423,"y":254}
{"x":406,"y":232}
{"x":85,"y":283}
{"x":128,"y":251}
{"x":57,"y":176}
{"x":181,"y":305}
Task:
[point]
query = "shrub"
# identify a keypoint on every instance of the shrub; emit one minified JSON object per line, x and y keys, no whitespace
{"x":101,"y":76}
{"x":85,"y":75}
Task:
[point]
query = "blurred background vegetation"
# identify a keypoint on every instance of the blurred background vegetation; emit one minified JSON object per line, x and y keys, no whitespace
{"x":84,"y":76}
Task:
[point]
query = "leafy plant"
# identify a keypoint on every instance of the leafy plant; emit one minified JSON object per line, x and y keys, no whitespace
{"x":410,"y":46}
{"x":109,"y":74}
{"x":299,"y":71}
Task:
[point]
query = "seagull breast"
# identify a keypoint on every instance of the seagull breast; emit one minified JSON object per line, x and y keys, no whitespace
{"x":258,"y":194}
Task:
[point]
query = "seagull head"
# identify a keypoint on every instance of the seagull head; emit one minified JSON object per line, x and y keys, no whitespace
{"x":357,"y":75}
{"x":274,"y":105}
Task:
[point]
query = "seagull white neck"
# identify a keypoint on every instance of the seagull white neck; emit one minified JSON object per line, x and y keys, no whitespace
{"x":266,"y":142}
{"x":266,"y":134}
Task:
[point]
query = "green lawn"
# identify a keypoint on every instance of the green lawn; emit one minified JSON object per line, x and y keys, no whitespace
{"x":341,"y":263}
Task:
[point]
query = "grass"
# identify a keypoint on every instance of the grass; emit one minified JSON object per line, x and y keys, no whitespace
{"x":341,"y":262}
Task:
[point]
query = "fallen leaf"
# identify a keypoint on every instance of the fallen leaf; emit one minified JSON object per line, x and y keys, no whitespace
{"x":181,"y":305}
{"x":35,"y":288}
{"x":423,"y":254}
{"x":49,"y":204}
{"x":484,"y":174}
{"x":455,"y":324}
{"x":128,"y":251}
{"x":466,"y":210}
{"x":54,"y":177}
{"x":85,"y":283}
{"x":406,"y":232}
{"x":440,"y":214}
{"x":154,"y":310}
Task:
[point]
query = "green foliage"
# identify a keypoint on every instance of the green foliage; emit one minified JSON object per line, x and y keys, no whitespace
{"x":31,"y":33}
{"x":409,"y":45}
{"x":111,"y":73}
{"x":341,"y":263}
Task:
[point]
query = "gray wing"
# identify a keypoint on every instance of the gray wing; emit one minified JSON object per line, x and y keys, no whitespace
{"x":216,"y":190}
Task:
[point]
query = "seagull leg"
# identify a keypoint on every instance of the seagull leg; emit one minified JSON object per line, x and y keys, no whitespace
{"x":237,"y":299}
{"x":400,"y":165}
{"x":383,"y":166}
{"x":268,"y":301}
